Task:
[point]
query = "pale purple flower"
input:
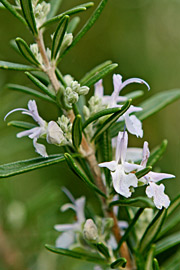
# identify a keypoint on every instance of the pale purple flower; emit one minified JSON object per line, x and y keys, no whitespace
{"x":36,"y":132}
{"x":68,"y":237}
{"x":153,"y":190}
{"x":133,"y":124}
{"x":121,"y":170}
{"x":51,"y":131}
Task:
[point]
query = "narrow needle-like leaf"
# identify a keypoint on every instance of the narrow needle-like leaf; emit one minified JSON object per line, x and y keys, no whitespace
{"x":73,"y":166}
{"x":27,"y":10}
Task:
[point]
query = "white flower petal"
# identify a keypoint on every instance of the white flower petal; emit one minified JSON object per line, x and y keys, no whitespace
{"x":121,"y":99}
{"x":67,"y":206}
{"x":134,"y":80}
{"x":134,"y":125}
{"x":122,"y":182}
{"x":123,"y":146}
{"x":36,"y":132}
{"x":15,"y":110}
{"x":99,"y":90}
{"x":34,"y":112}
{"x":118,"y":146}
{"x":146,"y":154}
{"x":65,"y":227}
{"x":129,"y":167}
{"x":65,"y":240}
{"x":55,"y":134}
{"x":80,"y":205}
{"x":155,"y":177}
{"x":25,"y":133}
{"x":157,"y":192}
{"x":40,"y":148}
{"x":68,"y":194}
{"x":117,"y":81}
{"x":133,"y":109}
{"x":111,"y":165}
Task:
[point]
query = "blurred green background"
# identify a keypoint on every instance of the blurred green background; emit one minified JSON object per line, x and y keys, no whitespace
{"x":143,"y":37}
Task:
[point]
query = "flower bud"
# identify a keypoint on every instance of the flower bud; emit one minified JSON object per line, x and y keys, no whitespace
{"x":71,"y":97}
{"x":67,"y":40}
{"x":90,"y":231}
{"x":83,"y":90}
{"x":86,"y":111}
{"x":68,"y":79}
{"x":40,"y":12}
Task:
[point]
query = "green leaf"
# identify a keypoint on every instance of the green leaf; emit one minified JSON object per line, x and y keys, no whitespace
{"x":174,"y":204}
{"x":21,"y":124}
{"x":135,"y":94}
{"x":26,"y":52}
{"x":157,"y":153}
{"x":77,"y":131}
{"x":39,"y":84}
{"x":113,"y":118}
{"x":141,"y":202}
{"x":29,"y":91}
{"x":100,"y":114}
{"x":172,"y":263}
{"x":73,"y":166}
{"x":14,"y":46}
{"x":27,"y":10}
{"x":73,"y":24}
{"x":156,"y":264}
{"x":152,"y":231}
{"x":69,"y":12}
{"x":42,"y":77}
{"x":149,"y":260}
{"x":157,"y":103}
{"x":171,"y":222}
{"x":143,"y":172}
{"x":101,"y":74}
{"x":104,"y":153}
{"x":168,"y":242}
{"x":14,"y":66}
{"x":23,"y":166}
{"x":92,"y":72}
{"x":103,"y":249}
{"x":87,"y":26}
{"x":13,"y":10}
{"x":130,"y":227}
{"x":55,"y":4}
{"x":90,"y":257}
{"x":152,"y":105}
{"x":59,"y":36}
{"x":121,"y":262}
{"x":80,"y":104}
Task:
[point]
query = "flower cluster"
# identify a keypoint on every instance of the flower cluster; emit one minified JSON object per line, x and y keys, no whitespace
{"x":100,"y":101}
{"x":125,"y":179}
{"x":51,"y":131}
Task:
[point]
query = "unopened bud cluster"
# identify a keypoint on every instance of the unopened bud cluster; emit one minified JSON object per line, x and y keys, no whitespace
{"x":41,"y":10}
{"x":73,"y":91}
{"x":35,"y":50}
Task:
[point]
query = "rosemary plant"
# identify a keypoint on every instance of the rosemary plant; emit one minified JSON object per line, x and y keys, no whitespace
{"x":93,"y":138}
